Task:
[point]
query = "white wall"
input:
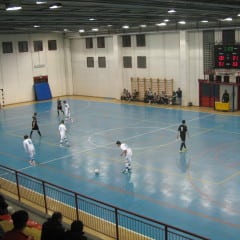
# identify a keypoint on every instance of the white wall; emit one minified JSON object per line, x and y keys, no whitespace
{"x":171,"y":55}
{"x":18,"y":69}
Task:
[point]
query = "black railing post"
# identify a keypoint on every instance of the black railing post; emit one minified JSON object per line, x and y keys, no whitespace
{"x":45,"y":197}
{"x":166,"y":232}
{"x":17,"y":182}
{"x":116,"y":221}
{"x":76,"y":203}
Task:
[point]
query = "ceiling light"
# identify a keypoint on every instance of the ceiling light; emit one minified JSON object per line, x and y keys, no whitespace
{"x":204,"y":21}
{"x":143,"y":25}
{"x":92,"y":19}
{"x":182,"y":22}
{"x":161,"y":24}
{"x":227,"y":19}
{"x":40,"y":2}
{"x":95,"y":29}
{"x":166,"y":20}
{"x":171,"y":11}
{"x":238,"y":15}
{"x":55,"y":6}
{"x":109,"y":25}
{"x":36,"y":26}
{"x":125,"y":26}
{"x":81,"y":30}
{"x":13,"y":7}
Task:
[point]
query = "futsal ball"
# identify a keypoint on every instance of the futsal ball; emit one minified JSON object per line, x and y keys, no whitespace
{"x":96,"y":171}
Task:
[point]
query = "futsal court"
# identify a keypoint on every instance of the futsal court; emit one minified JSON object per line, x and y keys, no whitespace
{"x":197,"y":190}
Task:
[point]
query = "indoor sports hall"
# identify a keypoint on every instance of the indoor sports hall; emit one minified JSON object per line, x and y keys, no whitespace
{"x":196,"y":190}
{"x":128,"y":71}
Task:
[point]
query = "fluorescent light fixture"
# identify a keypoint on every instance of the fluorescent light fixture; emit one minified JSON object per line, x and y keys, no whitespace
{"x":36,"y":26}
{"x":92,"y":19}
{"x":229,"y":19}
{"x":125,"y":27}
{"x":182,"y":22}
{"x":41,"y":2}
{"x":13,"y":7}
{"x":143,"y":25}
{"x":161,"y":24}
{"x":238,"y":15}
{"x":204,"y":21}
{"x":55,"y":6}
{"x":171,"y":11}
{"x":109,"y":25}
{"x":95,"y":29}
{"x":166,"y":20}
{"x":81,"y":30}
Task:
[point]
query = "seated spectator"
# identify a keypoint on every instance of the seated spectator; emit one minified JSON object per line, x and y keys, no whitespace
{"x":135,"y":95}
{"x":19,"y":219}
{"x":163,"y":98}
{"x":174,"y":98}
{"x":76,"y":231}
{"x":225,"y":97}
{"x":150,"y":96}
{"x":53,"y":229}
{"x":3,"y":205}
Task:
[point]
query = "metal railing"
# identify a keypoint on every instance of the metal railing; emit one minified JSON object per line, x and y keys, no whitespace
{"x":107,"y":219}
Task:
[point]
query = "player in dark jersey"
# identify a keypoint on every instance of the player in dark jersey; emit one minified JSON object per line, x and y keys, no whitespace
{"x":182,"y":132}
{"x":59,"y":106}
{"x":35,"y":126}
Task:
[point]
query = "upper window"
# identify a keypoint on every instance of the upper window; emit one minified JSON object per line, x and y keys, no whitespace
{"x":126,"y":41}
{"x":140,"y":40}
{"x":141,"y":62}
{"x":7,"y":47}
{"x":23,"y":46}
{"x":89,"y":43}
{"x":127,"y":62}
{"x":38,"y":46}
{"x":101,"y":42}
{"x":90,"y":62}
{"x":52,"y":45}
{"x":101,"y":62}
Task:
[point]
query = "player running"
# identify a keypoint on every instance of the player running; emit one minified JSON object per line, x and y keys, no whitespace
{"x":30,"y":149}
{"x":127,"y":153}
{"x":182,"y":131}
{"x":62,"y":131}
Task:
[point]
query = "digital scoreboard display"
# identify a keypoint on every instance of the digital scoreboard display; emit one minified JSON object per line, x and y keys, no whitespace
{"x":227,"y":56}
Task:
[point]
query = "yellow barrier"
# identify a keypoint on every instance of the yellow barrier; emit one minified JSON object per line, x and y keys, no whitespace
{"x":222,"y":106}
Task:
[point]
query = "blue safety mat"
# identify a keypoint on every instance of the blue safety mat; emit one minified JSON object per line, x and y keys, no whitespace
{"x":42,"y":91}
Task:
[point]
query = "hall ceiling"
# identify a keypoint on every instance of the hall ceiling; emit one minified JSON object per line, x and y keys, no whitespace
{"x":109,"y":16}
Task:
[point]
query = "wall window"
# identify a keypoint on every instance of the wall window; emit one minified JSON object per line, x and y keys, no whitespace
{"x":101,"y":42}
{"x":127,"y":62}
{"x":101,"y":62}
{"x":7,"y":47}
{"x":90,"y":62}
{"x":89,"y":43}
{"x":23,"y":46}
{"x":52,"y":45}
{"x":140,"y":40}
{"x":141,"y":62}
{"x":38,"y":46}
{"x":126,"y":41}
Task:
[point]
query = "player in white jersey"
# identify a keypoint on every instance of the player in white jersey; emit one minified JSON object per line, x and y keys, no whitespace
{"x":127,"y":153}
{"x":30,"y":149}
{"x":67,"y":111}
{"x":63,"y":133}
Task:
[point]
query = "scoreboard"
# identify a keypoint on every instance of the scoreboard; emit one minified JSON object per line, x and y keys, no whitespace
{"x":227,"y":56}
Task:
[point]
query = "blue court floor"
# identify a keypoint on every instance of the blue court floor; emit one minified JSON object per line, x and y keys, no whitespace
{"x":197,"y":191}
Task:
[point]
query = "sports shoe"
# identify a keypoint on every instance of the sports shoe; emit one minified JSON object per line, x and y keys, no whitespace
{"x":124,"y":171}
{"x":184,"y":149}
{"x":181,"y":151}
